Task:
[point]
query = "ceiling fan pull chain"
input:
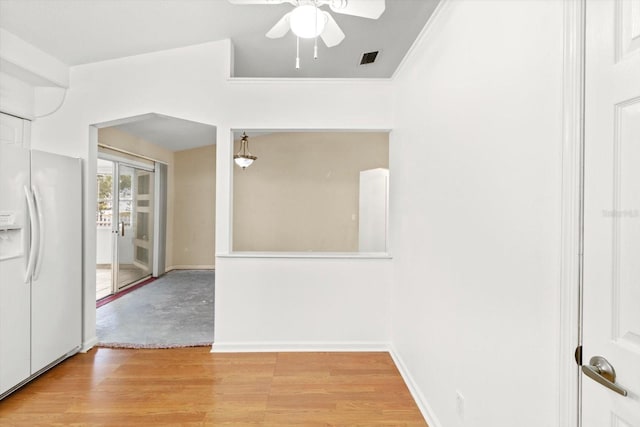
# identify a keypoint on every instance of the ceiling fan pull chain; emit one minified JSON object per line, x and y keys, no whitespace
{"x":315,"y":42}
{"x":297,"y":53}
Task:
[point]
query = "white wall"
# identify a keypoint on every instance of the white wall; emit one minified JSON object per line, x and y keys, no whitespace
{"x":475,"y":204}
{"x":475,"y":207}
{"x":192,"y":83}
{"x":32,"y":82}
{"x":302,"y":304}
{"x":16,"y":96}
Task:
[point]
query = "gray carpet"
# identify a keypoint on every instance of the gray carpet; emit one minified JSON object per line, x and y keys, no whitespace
{"x":175,"y":310}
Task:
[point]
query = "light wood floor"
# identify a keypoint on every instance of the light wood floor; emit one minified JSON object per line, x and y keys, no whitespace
{"x":195,"y":387}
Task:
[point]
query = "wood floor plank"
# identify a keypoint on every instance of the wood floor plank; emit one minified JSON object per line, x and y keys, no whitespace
{"x":195,"y":387}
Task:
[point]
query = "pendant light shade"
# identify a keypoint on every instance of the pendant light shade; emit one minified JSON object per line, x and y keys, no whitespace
{"x":243,"y":157}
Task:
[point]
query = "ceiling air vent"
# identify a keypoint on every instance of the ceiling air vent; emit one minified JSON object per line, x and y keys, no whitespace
{"x":368,"y":58}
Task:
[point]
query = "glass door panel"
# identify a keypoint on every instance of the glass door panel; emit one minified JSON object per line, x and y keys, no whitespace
{"x":143,"y":225}
{"x":135,"y":225}
{"x":104,"y":228}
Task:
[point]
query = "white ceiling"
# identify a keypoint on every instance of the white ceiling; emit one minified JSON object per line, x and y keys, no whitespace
{"x":84,"y":31}
{"x":169,"y":132}
{"x":79,"y":32}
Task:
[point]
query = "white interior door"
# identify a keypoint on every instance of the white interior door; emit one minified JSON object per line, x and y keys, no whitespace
{"x":612,"y":213}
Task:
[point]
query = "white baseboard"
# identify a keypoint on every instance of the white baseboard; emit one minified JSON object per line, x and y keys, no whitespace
{"x":427,"y":412}
{"x":89,"y":344}
{"x":258,"y":347}
{"x":190,"y":267}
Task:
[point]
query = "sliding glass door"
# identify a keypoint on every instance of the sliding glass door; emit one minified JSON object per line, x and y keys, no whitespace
{"x":124,"y":226}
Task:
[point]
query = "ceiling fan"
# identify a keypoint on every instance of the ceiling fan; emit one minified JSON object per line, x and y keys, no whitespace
{"x":307,"y":20}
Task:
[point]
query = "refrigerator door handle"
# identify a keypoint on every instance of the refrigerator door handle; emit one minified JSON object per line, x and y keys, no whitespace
{"x":39,"y":210}
{"x":34,"y":234}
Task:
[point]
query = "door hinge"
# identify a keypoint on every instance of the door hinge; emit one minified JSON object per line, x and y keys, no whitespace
{"x":578,"y":355}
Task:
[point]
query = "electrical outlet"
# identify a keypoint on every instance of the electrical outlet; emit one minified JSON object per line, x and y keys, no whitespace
{"x":460,"y":404}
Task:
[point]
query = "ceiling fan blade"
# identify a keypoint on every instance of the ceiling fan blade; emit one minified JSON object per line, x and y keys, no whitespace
{"x":371,"y":9}
{"x":262,"y":2}
{"x":332,"y":34}
{"x":281,"y":28}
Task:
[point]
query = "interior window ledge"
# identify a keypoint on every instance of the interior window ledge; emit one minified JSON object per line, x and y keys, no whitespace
{"x":308,"y":255}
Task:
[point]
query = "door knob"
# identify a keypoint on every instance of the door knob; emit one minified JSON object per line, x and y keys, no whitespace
{"x":600,"y":370}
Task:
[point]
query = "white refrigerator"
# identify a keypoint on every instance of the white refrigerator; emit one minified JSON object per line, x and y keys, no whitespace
{"x":40,"y":262}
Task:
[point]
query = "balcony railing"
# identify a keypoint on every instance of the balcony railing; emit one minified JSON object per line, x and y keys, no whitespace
{"x":104,"y":219}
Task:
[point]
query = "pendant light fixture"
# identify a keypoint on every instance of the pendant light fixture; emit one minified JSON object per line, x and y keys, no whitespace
{"x":243,"y":157}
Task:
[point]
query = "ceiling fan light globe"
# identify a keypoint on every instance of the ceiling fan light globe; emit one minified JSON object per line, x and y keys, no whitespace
{"x":307,"y":22}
